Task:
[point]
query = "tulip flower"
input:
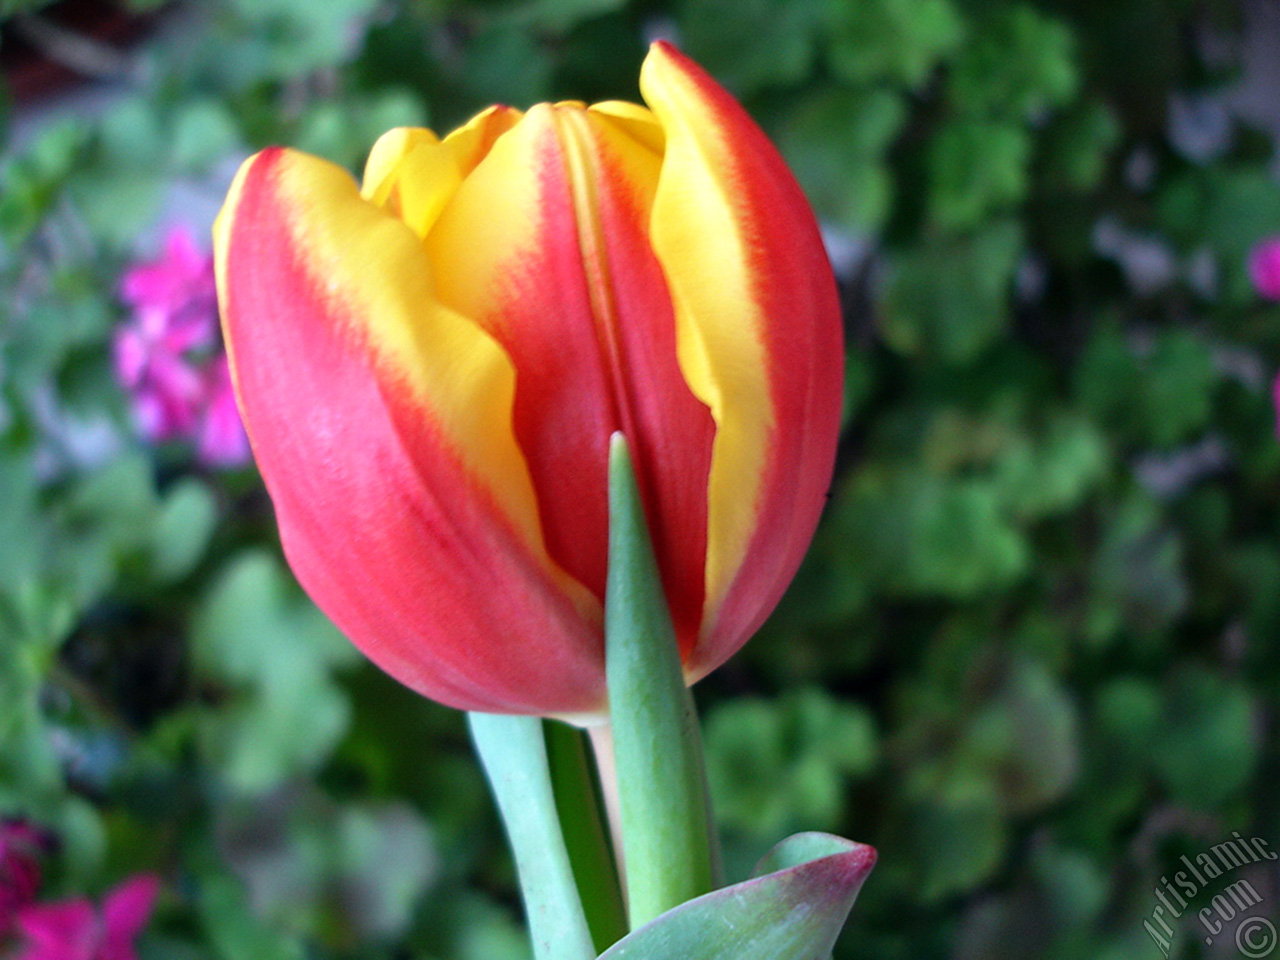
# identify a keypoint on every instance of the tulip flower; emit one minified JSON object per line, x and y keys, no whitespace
{"x":431,"y":365}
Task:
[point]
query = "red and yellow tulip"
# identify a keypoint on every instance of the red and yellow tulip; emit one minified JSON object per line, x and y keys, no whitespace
{"x":431,"y":365}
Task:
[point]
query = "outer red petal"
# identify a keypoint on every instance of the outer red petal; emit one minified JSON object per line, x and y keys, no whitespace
{"x":381,"y":513}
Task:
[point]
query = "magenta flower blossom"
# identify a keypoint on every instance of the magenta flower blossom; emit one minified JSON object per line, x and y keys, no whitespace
{"x":77,"y":930}
{"x":20,"y":846}
{"x":221,"y":440}
{"x":168,"y":356}
{"x":1264,"y":268}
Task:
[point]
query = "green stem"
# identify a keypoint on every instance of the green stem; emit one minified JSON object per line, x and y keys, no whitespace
{"x":665,"y":813}
{"x":586,"y":834}
{"x":513,"y":751}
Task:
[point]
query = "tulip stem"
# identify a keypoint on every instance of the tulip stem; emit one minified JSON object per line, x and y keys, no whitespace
{"x":664,"y":810}
{"x":513,"y":751}
{"x":585,"y":825}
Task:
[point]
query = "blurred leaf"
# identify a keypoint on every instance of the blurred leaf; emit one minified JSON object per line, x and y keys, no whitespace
{"x":1078,"y":146}
{"x":1209,"y":724}
{"x":182,"y":530}
{"x":1159,"y":392}
{"x":1137,"y":576}
{"x":256,"y":633}
{"x":914,"y":533}
{"x":957,"y":831}
{"x":233,"y":930}
{"x":948,"y":299}
{"x":976,"y":168}
{"x":1018,"y":64}
{"x":725,"y":37}
{"x":302,"y":36}
{"x":345,"y":130}
{"x":203,"y":133}
{"x":1068,"y":460}
{"x":891,"y":40}
{"x":1026,"y":737}
{"x":386,"y":859}
{"x":773,"y":764}
{"x":835,"y":142}
{"x":556,"y":16}
{"x":507,"y":64}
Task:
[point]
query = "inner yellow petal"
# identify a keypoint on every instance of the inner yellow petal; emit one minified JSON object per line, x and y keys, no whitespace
{"x":704,"y":243}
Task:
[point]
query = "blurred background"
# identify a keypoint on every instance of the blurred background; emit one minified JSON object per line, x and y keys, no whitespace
{"x":1034,"y":655}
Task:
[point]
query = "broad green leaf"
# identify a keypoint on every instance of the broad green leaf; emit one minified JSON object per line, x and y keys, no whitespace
{"x":792,"y":910}
{"x":921,"y":534}
{"x":1078,"y":146}
{"x":234,"y":932}
{"x":1027,"y":737}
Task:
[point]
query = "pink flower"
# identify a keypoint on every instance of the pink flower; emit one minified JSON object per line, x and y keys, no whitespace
{"x":180,"y":280}
{"x":221,"y":441}
{"x":168,"y":357}
{"x":20,"y":845}
{"x":76,"y":930}
{"x":1264,"y":268}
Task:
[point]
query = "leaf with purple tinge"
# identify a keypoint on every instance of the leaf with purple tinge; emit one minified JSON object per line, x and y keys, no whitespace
{"x":793,"y":909}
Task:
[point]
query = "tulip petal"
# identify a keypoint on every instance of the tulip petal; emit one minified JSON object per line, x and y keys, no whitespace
{"x":759,"y":341}
{"x":546,"y":245}
{"x":381,"y":422}
{"x":412,"y":174}
{"x":382,"y":168}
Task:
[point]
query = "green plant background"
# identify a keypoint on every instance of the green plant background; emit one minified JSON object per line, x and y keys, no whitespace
{"x":1033,"y":654}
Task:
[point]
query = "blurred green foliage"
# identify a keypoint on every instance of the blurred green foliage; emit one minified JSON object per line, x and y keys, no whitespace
{"x":1030,"y":655}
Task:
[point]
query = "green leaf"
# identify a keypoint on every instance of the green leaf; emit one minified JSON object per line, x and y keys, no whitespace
{"x":233,"y":930}
{"x":793,"y":909}
{"x":958,"y":830}
{"x":1210,"y":724}
{"x":1077,"y":147}
{"x":899,"y":41}
{"x":949,"y":298}
{"x":835,"y":142}
{"x":514,"y":754}
{"x":724,"y":36}
{"x":776,"y":764}
{"x":921,"y":534}
{"x":182,"y":529}
{"x":976,"y":167}
{"x":203,"y":133}
{"x":1019,"y":64}
{"x":257,"y":634}
{"x":586,"y":833}
{"x":664,"y":811}
{"x":1027,"y":738}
